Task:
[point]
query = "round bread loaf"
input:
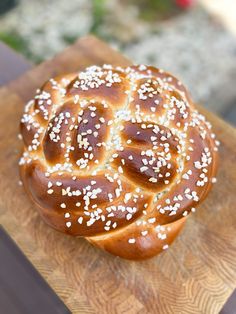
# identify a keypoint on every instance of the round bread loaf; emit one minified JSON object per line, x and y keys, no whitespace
{"x":119,"y":156}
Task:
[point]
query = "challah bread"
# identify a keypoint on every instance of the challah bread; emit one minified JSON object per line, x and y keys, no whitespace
{"x":119,"y":156}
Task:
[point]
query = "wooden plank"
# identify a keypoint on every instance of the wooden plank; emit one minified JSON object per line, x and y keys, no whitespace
{"x":12,"y":64}
{"x":230,"y":305}
{"x":196,"y":275}
{"x":18,"y":279}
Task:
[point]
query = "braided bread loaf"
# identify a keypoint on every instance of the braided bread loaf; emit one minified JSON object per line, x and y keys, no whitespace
{"x":119,"y":156}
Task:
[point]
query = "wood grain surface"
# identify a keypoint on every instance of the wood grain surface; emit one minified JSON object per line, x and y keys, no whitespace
{"x":196,"y":275}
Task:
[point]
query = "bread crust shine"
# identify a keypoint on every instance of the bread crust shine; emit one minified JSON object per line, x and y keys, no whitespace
{"x":119,"y":156}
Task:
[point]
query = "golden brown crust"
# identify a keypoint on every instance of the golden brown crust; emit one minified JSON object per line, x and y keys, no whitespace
{"x":119,"y":156}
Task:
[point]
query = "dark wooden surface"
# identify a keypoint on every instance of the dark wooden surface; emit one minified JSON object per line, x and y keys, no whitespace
{"x":22,"y":289}
{"x":12,"y":64}
{"x":196,"y":275}
{"x":230,"y":305}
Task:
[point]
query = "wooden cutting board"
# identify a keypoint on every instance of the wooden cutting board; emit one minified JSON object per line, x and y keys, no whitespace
{"x":196,"y":275}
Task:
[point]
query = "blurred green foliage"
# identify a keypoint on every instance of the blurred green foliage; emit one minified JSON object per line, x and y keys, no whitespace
{"x":14,"y":41}
{"x":151,"y":10}
{"x":99,"y":11}
{"x":19,"y":44}
{"x":69,"y":39}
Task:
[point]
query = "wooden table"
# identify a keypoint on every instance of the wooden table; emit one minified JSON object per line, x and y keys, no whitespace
{"x":196,"y":275}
